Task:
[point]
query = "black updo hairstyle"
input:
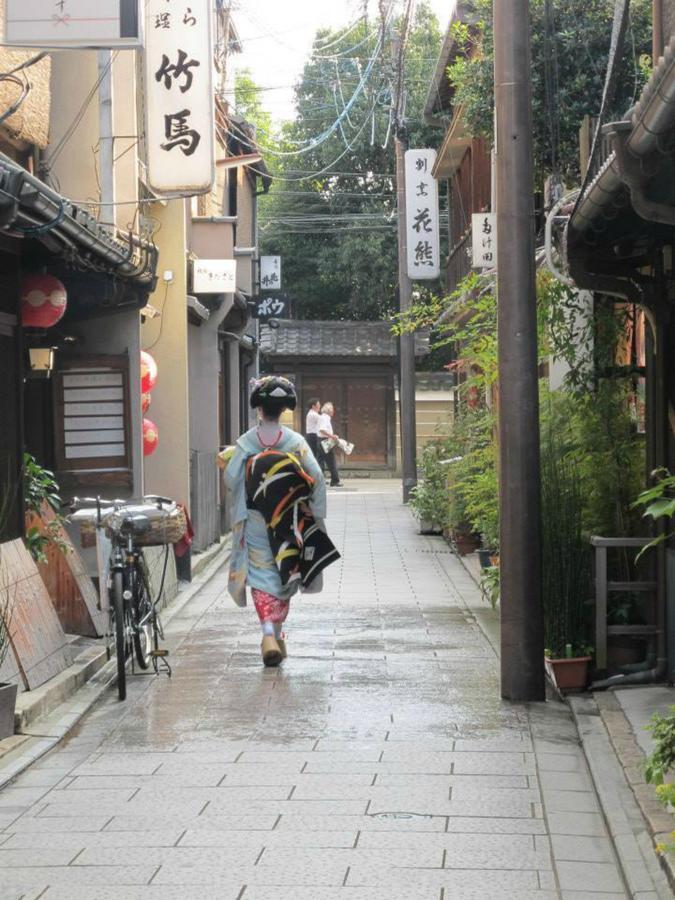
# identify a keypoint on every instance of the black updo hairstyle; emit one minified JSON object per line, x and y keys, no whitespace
{"x":273,"y":394}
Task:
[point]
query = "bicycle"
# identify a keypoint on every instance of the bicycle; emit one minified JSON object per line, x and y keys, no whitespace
{"x":134,"y":621}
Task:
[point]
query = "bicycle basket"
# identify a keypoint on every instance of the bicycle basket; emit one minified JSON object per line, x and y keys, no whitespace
{"x":166,"y":525}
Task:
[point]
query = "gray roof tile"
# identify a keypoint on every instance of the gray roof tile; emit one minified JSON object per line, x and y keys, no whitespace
{"x":334,"y":339}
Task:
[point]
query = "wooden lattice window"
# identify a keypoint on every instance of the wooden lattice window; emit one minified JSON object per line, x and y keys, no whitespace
{"x":92,"y":421}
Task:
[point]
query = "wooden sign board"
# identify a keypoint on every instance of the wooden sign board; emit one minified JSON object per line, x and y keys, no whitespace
{"x":68,"y":583}
{"x":39,"y":644}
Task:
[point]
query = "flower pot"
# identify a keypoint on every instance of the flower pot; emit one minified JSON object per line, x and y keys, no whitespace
{"x":7,"y":706}
{"x":464,"y":543}
{"x":426,"y":526}
{"x":485,"y":557}
{"x":569,"y":674}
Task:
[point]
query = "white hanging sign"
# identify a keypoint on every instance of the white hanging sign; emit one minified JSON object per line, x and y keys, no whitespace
{"x":484,"y":240}
{"x":73,"y":23}
{"x":179,"y":99}
{"x":422,"y":220}
{"x":214,"y":276}
{"x":270,"y":273}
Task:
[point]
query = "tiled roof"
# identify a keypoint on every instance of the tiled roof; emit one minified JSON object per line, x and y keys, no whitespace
{"x":334,"y":339}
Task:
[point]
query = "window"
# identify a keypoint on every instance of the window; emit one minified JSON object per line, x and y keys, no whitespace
{"x":92,"y":421}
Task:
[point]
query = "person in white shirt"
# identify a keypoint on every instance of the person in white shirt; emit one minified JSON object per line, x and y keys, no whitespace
{"x":312,"y":427}
{"x":326,"y":432}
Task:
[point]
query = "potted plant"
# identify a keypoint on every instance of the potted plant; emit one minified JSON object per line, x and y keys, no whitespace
{"x":429,"y":499}
{"x":566,"y":568}
{"x":41,"y":491}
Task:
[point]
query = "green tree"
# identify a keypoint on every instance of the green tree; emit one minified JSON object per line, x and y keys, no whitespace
{"x":336,"y":231}
{"x":570,"y":46}
{"x":248,"y":104}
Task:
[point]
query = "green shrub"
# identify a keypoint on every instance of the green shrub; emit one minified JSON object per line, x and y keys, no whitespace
{"x":659,"y":764}
{"x":429,"y":498}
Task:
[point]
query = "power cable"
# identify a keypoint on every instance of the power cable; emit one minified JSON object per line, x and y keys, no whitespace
{"x":24,"y":85}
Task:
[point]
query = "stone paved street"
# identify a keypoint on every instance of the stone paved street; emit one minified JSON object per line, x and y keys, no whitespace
{"x":378,"y":762}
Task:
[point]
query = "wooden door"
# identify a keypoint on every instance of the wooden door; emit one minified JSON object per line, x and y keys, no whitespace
{"x":361,"y":413}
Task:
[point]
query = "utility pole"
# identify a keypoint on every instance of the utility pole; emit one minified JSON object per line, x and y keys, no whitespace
{"x":406,"y":388}
{"x":522,"y":623}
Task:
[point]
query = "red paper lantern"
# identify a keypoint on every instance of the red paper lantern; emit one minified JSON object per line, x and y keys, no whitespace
{"x":148,"y":372}
{"x":43,"y":301}
{"x":150,"y":437}
{"x":145,"y":402}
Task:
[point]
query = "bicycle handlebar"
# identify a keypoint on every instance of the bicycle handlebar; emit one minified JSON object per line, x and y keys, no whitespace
{"x":77,"y":503}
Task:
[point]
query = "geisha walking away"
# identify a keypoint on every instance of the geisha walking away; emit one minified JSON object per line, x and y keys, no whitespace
{"x":279,"y":544}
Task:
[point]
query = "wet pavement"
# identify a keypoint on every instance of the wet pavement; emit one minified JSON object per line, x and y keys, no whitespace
{"x":377,"y":762}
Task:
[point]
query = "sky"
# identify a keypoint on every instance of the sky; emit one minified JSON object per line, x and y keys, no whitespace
{"x":277,"y":35}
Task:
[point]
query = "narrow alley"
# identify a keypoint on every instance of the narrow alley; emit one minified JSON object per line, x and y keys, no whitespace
{"x":377,"y":762}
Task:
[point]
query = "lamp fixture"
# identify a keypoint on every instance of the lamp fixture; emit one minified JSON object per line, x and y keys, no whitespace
{"x":41,"y":361}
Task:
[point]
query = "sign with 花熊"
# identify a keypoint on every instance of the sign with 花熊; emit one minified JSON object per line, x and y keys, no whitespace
{"x":270,"y":273}
{"x":73,"y":23}
{"x":422,"y":219}
{"x":179,"y":99}
{"x":484,"y":240}
{"x":214,"y":276}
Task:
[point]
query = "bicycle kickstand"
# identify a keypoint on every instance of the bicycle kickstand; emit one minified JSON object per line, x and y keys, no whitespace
{"x":159,"y":658}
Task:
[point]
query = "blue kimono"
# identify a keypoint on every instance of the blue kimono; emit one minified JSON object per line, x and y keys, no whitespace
{"x":252,"y":562}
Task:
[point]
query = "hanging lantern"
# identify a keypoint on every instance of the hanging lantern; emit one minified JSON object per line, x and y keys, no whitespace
{"x":145,"y":402}
{"x":43,"y":301}
{"x":148,"y":372}
{"x":150,"y":437}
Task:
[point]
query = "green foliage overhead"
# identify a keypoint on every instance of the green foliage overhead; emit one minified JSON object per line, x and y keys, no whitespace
{"x":343,"y":265}
{"x":569,"y":59}
{"x":248,"y":104}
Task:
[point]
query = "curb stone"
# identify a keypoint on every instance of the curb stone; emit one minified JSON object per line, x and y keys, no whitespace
{"x":41,"y":734}
{"x":642,"y":872}
{"x":630,"y":755}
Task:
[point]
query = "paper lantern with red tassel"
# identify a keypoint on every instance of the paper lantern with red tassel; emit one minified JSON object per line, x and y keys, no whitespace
{"x":43,"y":301}
{"x":145,"y":402}
{"x":148,"y":372}
{"x":150,"y":437}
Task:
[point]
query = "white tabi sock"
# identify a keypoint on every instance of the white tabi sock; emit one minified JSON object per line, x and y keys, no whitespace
{"x":268,"y":629}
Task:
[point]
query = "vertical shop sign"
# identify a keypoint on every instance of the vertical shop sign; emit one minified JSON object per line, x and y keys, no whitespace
{"x":422,"y":220}
{"x":270,"y":273}
{"x":484,"y":240}
{"x":179,"y":100}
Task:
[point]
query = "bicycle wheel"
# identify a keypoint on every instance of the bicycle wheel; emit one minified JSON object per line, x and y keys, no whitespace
{"x":120,"y":633}
{"x":143,"y":613}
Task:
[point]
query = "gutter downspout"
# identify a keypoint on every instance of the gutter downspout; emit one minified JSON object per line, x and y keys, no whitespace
{"x":106,"y":138}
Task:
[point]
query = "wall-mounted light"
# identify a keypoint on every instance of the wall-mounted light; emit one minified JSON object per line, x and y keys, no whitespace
{"x":41,"y":361}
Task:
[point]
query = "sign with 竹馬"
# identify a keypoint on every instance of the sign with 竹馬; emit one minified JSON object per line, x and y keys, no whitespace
{"x":179,"y":101}
{"x":422,"y":221}
{"x":484,"y":240}
{"x":270,"y":273}
{"x":214,"y":276}
{"x":274,"y":307}
{"x":73,"y":23}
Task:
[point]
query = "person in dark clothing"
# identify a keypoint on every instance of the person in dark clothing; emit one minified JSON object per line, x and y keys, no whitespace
{"x":312,"y":422}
